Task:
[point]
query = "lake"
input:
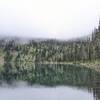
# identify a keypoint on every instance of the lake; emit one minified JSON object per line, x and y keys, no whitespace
{"x":45,"y":93}
{"x":55,"y":82}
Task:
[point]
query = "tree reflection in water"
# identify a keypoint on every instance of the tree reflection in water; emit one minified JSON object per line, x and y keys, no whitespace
{"x":72,"y":75}
{"x":62,"y":74}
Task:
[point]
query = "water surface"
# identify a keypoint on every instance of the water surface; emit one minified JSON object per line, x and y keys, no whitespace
{"x":57,"y":82}
{"x":44,"y":93}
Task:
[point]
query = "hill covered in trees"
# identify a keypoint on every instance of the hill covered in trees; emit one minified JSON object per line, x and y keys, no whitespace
{"x":17,"y":56}
{"x":81,"y":49}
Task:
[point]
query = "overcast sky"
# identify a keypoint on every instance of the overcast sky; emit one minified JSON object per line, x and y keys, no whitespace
{"x":61,"y":19}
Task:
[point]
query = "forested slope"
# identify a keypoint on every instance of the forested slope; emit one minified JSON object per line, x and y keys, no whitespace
{"x":54,"y":50}
{"x":20,"y":57}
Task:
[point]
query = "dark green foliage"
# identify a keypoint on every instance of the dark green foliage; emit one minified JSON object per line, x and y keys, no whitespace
{"x":7,"y":68}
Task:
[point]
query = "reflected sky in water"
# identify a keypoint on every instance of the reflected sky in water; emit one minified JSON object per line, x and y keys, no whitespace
{"x":45,"y":93}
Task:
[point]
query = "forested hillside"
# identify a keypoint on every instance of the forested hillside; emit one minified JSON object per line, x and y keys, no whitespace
{"x":53,"y":50}
{"x":20,"y":57}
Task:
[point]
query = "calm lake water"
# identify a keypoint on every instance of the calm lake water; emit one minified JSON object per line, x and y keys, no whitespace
{"x":45,"y":93}
{"x":66,"y":83}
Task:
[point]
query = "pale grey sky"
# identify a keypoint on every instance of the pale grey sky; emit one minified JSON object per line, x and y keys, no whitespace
{"x":61,"y":19}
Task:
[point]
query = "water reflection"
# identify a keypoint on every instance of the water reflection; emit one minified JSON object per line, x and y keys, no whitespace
{"x":68,"y":75}
{"x":96,"y":88}
{"x":44,"y":93}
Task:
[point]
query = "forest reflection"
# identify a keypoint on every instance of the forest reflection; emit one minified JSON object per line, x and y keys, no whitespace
{"x":70,"y":75}
{"x":60,"y":74}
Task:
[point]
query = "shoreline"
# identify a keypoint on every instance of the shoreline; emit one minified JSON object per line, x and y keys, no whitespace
{"x":89,"y":64}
